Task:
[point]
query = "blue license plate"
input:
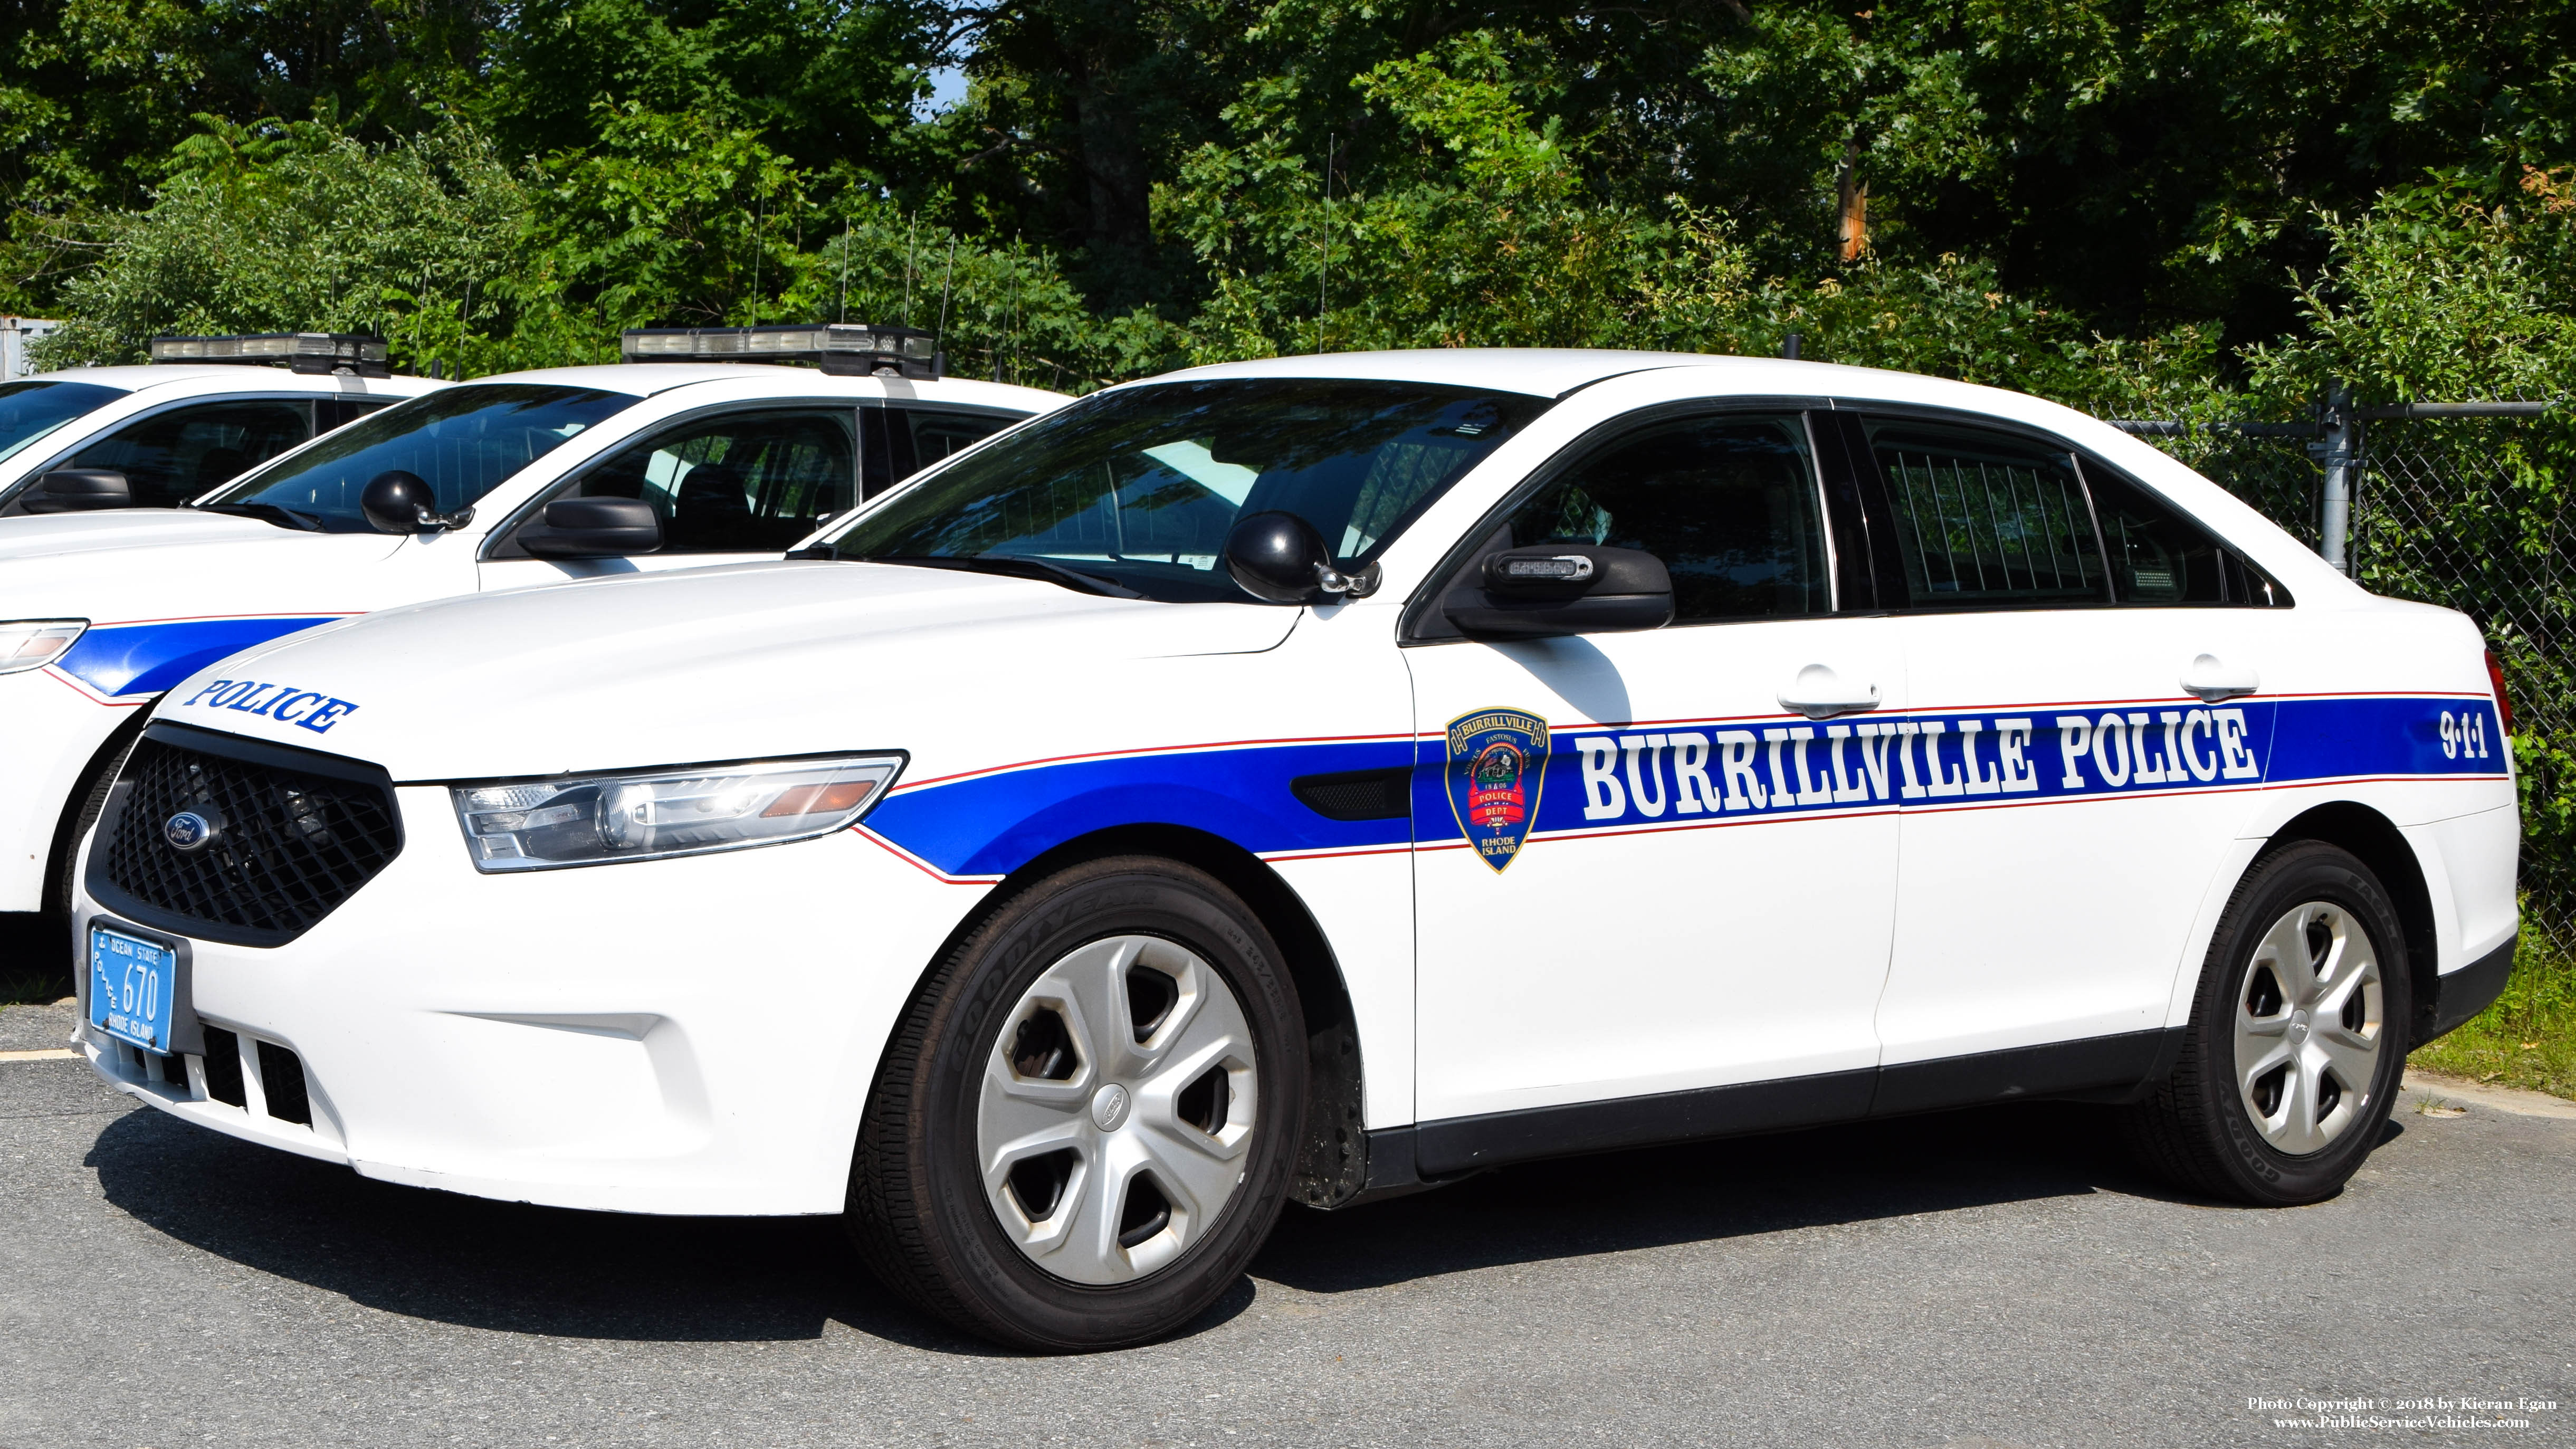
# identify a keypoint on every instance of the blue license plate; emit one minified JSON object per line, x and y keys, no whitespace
{"x":133,"y":988}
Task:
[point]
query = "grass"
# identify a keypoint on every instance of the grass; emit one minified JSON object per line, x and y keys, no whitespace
{"x":29,"y":988}
{"x":2528,"y":1038}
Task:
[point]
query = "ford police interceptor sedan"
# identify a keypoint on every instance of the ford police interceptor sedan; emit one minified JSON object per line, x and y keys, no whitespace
{"x":1315,"y":779}
{"x":524,"y":478}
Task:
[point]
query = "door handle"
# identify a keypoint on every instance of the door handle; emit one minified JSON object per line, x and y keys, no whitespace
{"x":2213,"y":679}
{"x":1820,"y":693}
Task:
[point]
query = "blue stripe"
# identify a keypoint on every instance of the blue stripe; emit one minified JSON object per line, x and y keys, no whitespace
{"x":993,"y":824}
{"x":122,"y":659}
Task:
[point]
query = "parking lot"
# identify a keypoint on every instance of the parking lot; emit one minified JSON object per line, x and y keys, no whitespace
{"x":1991,"y":1278}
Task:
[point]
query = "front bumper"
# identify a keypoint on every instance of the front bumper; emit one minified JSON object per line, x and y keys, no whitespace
{"x":695,"y":1035}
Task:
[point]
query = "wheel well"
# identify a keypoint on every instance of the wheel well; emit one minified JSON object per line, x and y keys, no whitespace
{"x":2372,"y":837}
{"x":1332,"y":1161}
{"x":81,"y":810}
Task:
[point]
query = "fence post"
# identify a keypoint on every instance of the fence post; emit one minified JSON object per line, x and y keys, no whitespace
{"x":2343,"y":450}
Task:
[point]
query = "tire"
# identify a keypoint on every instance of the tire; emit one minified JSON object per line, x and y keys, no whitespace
{"x":1105,"y":1219}
{"x":2296,"y":1041}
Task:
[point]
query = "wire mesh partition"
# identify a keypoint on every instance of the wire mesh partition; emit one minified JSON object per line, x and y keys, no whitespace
{"x":2468,"y":512}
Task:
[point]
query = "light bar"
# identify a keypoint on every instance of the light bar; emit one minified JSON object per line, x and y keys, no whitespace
{"x":844,"y":349}
{"x":314,"y":352}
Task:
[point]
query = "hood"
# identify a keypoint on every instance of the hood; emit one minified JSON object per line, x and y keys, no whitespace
{"x":39,"y":535}
{"x":704,"y":665}
{"x":155,"y":563}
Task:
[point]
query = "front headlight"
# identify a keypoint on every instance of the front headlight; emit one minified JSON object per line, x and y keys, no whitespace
{"x":34,"y":643}
{"x":646,"y":815}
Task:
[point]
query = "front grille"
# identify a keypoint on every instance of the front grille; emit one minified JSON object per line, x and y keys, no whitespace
{"x":288,"y":844}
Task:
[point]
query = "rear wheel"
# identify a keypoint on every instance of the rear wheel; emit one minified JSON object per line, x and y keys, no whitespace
{"x":2296,"y":1040}
{"x":1086,"y":1123}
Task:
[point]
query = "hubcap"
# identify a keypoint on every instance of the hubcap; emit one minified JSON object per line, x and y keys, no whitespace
{"x":2309,"y":1030}
{"x":1116,"y":1109}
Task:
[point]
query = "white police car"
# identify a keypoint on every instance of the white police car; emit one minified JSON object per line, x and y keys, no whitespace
{"x":1317,"y":778}
{"x":157,"y":436}
{"x":524,"y":478}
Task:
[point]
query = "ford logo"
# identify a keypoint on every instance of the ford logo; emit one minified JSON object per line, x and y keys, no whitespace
{"x":191,"y":830}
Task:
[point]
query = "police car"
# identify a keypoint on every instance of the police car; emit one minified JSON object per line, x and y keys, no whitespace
{"x":157,"y":436}
{"x":525,"y":478}
{"x":1315,"y":779}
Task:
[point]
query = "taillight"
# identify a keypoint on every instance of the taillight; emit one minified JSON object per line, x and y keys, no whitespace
{"x":2495,"y":677}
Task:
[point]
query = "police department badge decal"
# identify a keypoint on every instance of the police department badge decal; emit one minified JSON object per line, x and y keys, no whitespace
{"x":1497,"y":764}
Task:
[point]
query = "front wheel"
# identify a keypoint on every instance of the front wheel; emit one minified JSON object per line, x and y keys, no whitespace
{"x":1087,"y":1121}
{"x":2296,"y":1041}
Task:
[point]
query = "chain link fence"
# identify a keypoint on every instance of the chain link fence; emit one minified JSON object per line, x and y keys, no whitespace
{"x":2470,"y":512}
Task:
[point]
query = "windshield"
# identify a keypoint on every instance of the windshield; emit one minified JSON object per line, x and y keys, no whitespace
{"x":1140,"y":486}
{"x":29,"y":410}
{"x":464,"y":442}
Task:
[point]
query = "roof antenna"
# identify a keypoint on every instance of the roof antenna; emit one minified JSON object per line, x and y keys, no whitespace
{"x":845,"y":269}
{"x":1789,"y":346}
{"x":759,"y":226}
{"x":938,"y":352}
{"x":1324,"y":272}
{"x":911,"y":244}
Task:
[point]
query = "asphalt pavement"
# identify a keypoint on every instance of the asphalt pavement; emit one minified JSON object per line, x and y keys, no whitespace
{"x":1994,"y":1278}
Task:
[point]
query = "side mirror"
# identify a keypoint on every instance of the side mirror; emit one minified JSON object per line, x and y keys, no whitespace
{"x":399,"y":501}
{"x":1279,"y":557}
{"x":594,"y":528}
{"x":79,"y":490}
{"x":1556,"y":589}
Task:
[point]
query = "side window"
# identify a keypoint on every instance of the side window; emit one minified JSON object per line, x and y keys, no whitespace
{"x":169,"y":458}
{"x":333,"y":412}
{"x":1728,"y":503}
{"x":748,"y":483}
{"x":2158,"y":556}
{"x":936,"y":435}
{"x":1986,"y":520}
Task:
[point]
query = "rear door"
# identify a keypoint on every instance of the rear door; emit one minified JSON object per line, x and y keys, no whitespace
{"x":1637,"y":874}
{"x":2067,"y":803}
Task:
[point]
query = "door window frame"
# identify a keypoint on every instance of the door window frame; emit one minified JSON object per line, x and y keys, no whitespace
{"x":1878,"y":513}
{"x":10,"y":497}
{"x":1422,"y":622}
{"x":502,"y":542}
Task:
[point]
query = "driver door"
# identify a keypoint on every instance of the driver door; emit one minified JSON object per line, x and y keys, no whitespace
{"x":1699,"y":905}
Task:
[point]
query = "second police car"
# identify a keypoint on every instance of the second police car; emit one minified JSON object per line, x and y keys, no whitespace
{"x":523,"y":478}
{"x":1314,"y":779}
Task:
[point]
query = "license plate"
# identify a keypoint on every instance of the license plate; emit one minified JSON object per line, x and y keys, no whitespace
{"x":133,"y":988}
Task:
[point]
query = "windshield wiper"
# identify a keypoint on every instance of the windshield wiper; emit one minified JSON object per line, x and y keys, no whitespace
{"x":1014,"y":566}
{"x":277,"y":513}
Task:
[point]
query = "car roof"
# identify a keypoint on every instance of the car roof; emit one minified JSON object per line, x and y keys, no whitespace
{"x":649,"y":379}
{"x":1537,"y":371}
{"x":229,"y":377}
{"x":1554,"y":372}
